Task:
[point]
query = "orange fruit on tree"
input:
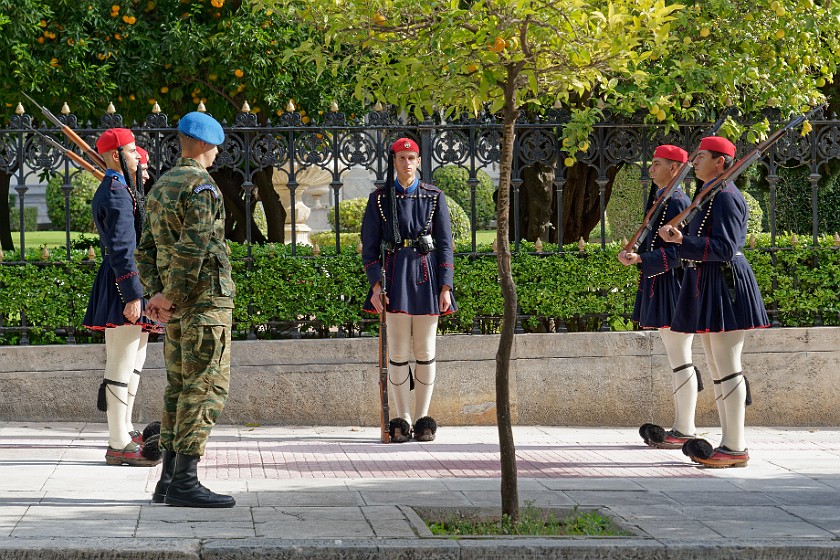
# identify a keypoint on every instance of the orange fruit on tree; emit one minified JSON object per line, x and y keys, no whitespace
{"x":498,"y":45}
{"x":238,"y":73}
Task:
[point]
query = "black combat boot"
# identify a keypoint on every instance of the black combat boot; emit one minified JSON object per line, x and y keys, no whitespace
{"x":165,"y":476}
{"x":186,"y":491}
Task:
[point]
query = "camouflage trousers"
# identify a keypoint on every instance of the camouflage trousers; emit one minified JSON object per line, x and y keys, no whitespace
{"x":197,"y":353}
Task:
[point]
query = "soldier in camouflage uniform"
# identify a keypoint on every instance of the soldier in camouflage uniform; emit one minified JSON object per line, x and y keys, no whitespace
{"x":183,"y":262}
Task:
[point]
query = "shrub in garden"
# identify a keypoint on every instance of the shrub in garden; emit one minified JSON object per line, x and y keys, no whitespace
{"x":793,"y":201}
{"x":81,"y":218}
{"x":453,"y":181}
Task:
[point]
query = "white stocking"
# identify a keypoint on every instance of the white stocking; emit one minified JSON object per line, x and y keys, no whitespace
{"x":713,"y":373}
{"x":121,"y":345}
{"x":134,"y":383}
{"x":424,"y":335}
{"x":726,"y":347}
{"x":399,"y":344}
{"x":678,"y":349}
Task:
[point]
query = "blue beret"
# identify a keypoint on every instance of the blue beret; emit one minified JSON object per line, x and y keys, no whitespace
{"x":202,"y":127}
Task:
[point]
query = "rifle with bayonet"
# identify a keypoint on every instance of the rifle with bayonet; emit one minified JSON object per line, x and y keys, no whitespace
{"x":75,"y":138}
{"x":70,"y":154}
{"x":716,"y":185}
{"x":658,"y":205}
{"x":384,"y":429}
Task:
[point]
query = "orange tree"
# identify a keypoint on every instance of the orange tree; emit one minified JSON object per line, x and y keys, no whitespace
{"x":755,"y":55}
{"x":173,"y":52}
{"x":177,"y":53}
{"x":470,"y":54}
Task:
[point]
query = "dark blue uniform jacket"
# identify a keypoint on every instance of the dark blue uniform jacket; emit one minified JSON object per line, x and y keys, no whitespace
{"x":413,"y":280}
{"x":117,"y":283}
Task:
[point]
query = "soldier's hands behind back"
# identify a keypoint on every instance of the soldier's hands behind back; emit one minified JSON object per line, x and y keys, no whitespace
{"x":132,"y":311}
{"x":159,"y":308}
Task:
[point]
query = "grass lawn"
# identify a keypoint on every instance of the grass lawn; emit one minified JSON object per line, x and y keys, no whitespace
{"x":51,"y":238}
{"x":485,"y":236}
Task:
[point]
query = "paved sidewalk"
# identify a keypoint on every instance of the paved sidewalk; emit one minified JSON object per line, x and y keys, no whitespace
{"x":335,"y":492}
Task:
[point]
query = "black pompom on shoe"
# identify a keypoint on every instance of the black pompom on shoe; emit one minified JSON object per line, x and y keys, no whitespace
{"x":425,"y":429}
{"x":152,"y":429}
{"x":644,"y":430}
{"x":697,"y":448}
{"x":399,"y":430}
{"x":150,"y":449}
{"x":656,"y":434}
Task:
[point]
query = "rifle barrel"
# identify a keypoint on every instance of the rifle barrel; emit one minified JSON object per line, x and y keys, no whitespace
{"x":681,"y":220}
{"x":75,"y":138}
{"x":70,"y":154}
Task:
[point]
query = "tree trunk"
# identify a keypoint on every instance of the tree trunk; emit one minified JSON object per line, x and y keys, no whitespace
{"x":275,"y":214}
{"x":535,"y":198}
{"x":507,"y":448}
{"x":230,"y":183}
{"x":6,"y":242}
{"x":581,"y":202}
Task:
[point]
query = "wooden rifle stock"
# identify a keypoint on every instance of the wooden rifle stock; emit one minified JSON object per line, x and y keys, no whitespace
{"x":75,"y":138}
{"x":80,"y":161}
{"x":384,"y":432}
{"x":658,"y":206}
{"x":716,"y":184}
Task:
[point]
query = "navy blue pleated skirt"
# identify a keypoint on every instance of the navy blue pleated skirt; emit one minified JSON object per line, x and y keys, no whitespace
{"x":105,"y":308}
{"x":714,"y":300}
{"x":656,"y":299}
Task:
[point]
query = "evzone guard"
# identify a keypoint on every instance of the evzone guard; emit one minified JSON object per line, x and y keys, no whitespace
{"x":407,"y":236}
{"x":659,"y":285}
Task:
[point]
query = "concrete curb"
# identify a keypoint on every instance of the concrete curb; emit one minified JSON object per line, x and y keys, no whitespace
{"x":438,"y":548}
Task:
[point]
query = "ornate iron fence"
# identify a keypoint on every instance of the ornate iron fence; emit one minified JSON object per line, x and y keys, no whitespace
{"x":336,"y":145}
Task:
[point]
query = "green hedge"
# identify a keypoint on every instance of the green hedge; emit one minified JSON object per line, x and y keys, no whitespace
{"x":325,"y":292}
{"x":794,"y":192}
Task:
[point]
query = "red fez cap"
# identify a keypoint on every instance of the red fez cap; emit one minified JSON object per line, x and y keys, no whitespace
{"x":144,"y":155}
{"x":718,"y":144}
{"x":113,"y":138}
{"x":405,"y":145}
{"x":669,"y":151}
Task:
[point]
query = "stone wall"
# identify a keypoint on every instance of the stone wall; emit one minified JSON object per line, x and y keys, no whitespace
{"x":584,"y":379}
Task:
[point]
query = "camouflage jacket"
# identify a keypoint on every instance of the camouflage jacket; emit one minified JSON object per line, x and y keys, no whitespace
{"x":182,"y":251}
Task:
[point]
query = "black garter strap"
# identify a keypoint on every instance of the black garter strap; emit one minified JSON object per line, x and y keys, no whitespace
{"x":393,"y":363}
{"x":101,"y":402}
{"x":696,"y":374}
{"x":748,"y":400}
{"x":425,"y":362}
